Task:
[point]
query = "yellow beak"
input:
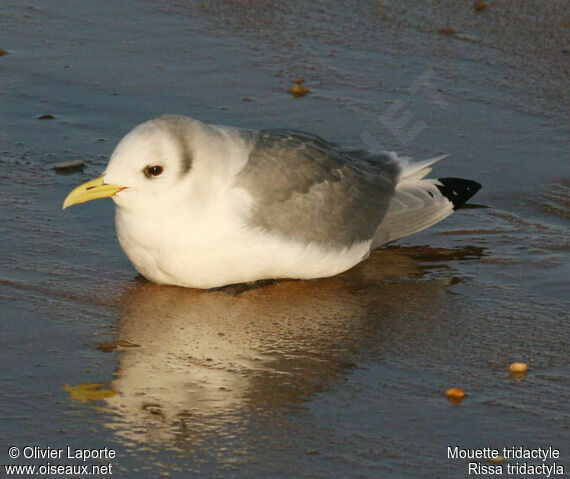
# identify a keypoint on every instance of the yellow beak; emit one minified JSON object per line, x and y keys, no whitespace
{"x":92,"y":190}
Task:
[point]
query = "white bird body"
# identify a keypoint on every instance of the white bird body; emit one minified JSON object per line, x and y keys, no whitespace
{"x":207,"y":242}
{"x":225,"y":255}
{"x":205,"y":206}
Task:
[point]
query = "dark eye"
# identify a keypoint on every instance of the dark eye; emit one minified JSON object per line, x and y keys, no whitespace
{"x":154,"y":170}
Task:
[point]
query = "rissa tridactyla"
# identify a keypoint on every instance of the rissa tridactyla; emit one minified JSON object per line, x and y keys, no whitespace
{"x":205,"y":206}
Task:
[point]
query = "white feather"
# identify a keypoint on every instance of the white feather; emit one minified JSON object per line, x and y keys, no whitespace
{"x":417,"y":204}
{"x":418,"y":169}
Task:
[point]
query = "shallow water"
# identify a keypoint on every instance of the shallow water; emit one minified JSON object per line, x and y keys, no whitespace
{"x":340,"y":377}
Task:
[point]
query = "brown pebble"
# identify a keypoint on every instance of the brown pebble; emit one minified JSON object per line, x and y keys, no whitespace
{"x":480,"y":6}
{"x":497,"y":460}
{"x":448,"y":31}
{"x":2,"y":52}
{"x":299,"y":91}
{"x":518,"y":369}
{"x":107,"y":348}
{"x":121,"y":343}
{"x":69,"y":165}
{"x":298,"y":80}
{"x":455,"y":395}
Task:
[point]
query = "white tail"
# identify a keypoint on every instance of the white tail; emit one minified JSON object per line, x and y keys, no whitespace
{"x":417,"y":204}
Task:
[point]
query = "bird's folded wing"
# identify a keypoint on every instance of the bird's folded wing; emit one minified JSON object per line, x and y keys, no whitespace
{"x":306,"y":189}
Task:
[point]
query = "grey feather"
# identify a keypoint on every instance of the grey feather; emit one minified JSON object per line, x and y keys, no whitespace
{"x":177,"y":126}
{"x":307,"y":189}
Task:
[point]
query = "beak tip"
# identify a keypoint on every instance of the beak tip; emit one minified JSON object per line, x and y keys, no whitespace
{"x":66,"y":203}
{"x":91,"y":190}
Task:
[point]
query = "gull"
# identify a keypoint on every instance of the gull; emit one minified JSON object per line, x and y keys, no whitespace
{"x":205,"y":206}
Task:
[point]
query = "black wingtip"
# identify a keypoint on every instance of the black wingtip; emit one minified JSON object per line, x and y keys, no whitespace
{"x":457,"y":190}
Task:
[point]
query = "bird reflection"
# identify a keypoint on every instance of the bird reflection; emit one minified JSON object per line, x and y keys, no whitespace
{"x":206,"y":358}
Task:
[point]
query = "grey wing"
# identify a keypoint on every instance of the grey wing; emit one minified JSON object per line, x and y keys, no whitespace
{"x":305,"y":188}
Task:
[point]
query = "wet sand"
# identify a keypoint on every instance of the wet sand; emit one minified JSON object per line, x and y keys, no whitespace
{"x":340,"y":377}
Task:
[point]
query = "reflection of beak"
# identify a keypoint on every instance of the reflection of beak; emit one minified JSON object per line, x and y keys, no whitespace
{"x":92,"y":190}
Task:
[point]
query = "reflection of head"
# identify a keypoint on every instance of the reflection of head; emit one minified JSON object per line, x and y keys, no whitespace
{"x":204,"y":356}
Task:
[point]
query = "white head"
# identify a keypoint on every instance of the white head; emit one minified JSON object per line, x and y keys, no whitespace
{"x":147,"y":167}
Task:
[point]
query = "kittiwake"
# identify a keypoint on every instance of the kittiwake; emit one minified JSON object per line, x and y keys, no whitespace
{"x":205,"y":206}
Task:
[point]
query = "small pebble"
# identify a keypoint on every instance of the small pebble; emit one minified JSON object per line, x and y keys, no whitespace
{"x":518,"y":369}
{"x":47,"y":116}
{"x":2,"y":52}
{"x":480,"y":6}
{"x":108,"y":347}
{"x":455,"y":395}
{"x":448,"y":31}
{"x":497,"y":460}
{"x":69,"y":165}
{"x":299,"y":91}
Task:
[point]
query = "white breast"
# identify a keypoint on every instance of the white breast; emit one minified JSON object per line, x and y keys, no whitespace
{"x":212,"y":247}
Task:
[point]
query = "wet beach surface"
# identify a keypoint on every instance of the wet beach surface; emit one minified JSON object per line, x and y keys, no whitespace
{"x":339,"y":377}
